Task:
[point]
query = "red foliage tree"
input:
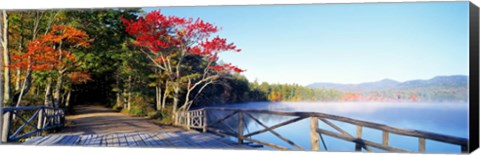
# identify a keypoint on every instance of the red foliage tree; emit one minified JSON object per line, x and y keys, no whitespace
{"x":52,"y":53}
{"x":168,"y":40}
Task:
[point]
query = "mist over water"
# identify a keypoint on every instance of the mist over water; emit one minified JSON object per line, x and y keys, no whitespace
{"x":442,"y":118}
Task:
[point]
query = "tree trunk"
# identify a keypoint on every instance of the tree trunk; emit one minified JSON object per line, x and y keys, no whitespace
{"x":48,"y":92}
{"x":119,"y":98}
{"x":6,"y":60}
{"x":20,"y":49}
{"x":158,"y":94}
{"x":176,"y":95}
{"x":17,"y":79}
{"x":58,"y":88}
{"x":27,"y":83}
{"x":165,"y":95}
{"x":67,"y":100}
{"x":129,"y":93}
{"x":1,"y":81}
{"x":26,"y":86}
{"x":63,"y":97}
{"x":118,"y":94}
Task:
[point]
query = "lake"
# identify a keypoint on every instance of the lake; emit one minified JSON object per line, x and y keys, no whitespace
{"x":442,"y":118}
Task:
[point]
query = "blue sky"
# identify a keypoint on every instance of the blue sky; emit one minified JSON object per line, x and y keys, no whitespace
{"x":342,"y":43}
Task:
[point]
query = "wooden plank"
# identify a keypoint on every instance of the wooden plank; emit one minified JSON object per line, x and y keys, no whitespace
{"x":130,"y":140}
{"x":95,"y":141}
{"x":175,"y":140}
{"x":84,"y":139}
{"x":115,"y":141}
{"x":276,"y":126}
{"x":159,"y":139}
{"x":33,"y":140}
{"x":147,"y":139}
{"x":6,"y":125}
{"x":51,"y":140}
{"x":108,"y":140}
{"x":105,"y":139}
{"x":224,"y":118}
{"x":240,"y":128}
{"x":421,"y":145}
{"x":221,"y":132}
{"x":123,"y":140}
{"x":267,"y":144}
{"x":187,"y":138}
{"x":277,"y":134}
{"x":68,"y":140}
{"x":21,"y":108}
{"x":314,"y":136}
{"x":360,"y":141}
{"x":39,"y":141}
{"x":335,"y":127}
{"x":62,"y":140}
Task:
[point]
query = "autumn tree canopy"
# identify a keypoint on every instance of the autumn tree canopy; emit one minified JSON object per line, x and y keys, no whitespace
{"x":170,"y":42}
{"x":52,"y":53}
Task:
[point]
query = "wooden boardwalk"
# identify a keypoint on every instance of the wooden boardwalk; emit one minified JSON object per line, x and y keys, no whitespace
{"x":99,"y":126}
{"x":176,"y":139}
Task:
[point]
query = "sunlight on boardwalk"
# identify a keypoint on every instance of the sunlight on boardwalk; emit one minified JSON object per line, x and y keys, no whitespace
{"x":100,"y":126}
{"x":178,"y":139}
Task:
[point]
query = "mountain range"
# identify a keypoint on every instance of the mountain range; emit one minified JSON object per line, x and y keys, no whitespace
{"x":452,"y":81}
{"x":439,"y":88}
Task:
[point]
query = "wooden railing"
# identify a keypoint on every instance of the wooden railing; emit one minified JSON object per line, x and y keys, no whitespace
{"x":197,"y":119}
{"x":29,"y":121}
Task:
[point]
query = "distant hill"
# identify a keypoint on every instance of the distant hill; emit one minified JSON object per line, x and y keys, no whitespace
{"x":439,"y":88}
{"x":382,"y":84}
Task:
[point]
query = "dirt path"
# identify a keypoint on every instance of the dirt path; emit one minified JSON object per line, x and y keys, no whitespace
{"x":96,"y":119}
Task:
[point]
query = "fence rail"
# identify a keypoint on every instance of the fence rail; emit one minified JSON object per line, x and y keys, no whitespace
{"x":43,"y":119}
{"x":197,"y":119}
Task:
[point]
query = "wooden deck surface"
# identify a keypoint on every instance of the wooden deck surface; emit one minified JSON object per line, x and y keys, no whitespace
{"x":100,"y":126}
{"x":176,"y":139}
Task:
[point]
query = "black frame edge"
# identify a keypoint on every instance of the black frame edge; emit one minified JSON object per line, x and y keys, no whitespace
{"x":474,"y":77}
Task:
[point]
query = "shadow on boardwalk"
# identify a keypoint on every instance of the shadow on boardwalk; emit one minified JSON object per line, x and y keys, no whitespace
{"x":97,"y":119}
{"x":94,"y":125}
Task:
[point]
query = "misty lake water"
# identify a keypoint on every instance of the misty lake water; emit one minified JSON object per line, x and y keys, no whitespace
{"x":442,"y":118}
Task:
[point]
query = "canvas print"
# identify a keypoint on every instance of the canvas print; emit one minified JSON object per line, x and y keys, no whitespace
{"x":369,"y":77}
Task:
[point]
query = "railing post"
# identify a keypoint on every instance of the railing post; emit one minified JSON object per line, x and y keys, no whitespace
{"x":421,"y":144}
{"x":314,"y":136}
{"x":358,"y":147}
{"x":385,"y":138}
{"x":240,"y":127}
{"x":204,"y":112}
{"x":40,"y":121}
{"x":7,"y":122}
{"x":57,"y":115}
{"x":54,"y":117}
{"x":175,"y":118}
{"x":188,"y":120}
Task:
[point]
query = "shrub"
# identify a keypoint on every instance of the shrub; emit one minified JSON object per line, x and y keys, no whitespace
{"x":140,"y":105}
{"x":155,"y":115}
{"x":117,"y":107}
